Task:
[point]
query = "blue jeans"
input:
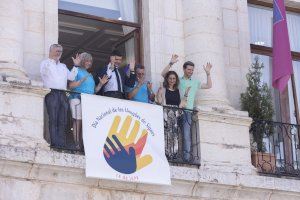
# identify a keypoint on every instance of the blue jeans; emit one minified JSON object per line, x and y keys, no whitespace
{"x":186,"y":124}
{"x":57,"y":108}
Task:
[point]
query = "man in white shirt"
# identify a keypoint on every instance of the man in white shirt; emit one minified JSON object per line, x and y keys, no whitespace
{"x":55,"y":75}
{"x":118,"y":78}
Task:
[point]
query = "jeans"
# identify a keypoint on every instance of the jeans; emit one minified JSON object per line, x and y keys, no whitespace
{"x":57,"y":109}
{"x":186,"y":124}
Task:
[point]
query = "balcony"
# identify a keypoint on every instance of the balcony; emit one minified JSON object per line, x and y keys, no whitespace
{"x":173,"y":134}
{"x":225,"y":172}
{"x":278,"y":154}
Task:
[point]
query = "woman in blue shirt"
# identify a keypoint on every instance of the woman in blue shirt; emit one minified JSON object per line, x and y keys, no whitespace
{"x":83,"y":83}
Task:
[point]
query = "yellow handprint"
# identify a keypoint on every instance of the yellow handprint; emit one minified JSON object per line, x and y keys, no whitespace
{"x":120,"y":150}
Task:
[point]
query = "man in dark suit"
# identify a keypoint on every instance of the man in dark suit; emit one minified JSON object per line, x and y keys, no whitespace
{"x":117,"y":77}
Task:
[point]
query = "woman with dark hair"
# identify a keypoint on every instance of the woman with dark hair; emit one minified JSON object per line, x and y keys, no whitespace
{"x":169,"y":95}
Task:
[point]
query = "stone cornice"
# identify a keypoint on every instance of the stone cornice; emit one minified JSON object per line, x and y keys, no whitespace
{"x":16,"y":88}
{"x":223,"y":115}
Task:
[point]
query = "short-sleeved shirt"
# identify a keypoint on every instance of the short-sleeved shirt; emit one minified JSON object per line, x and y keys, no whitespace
{"x":142,"y":95}
{"x":183,"y":85}
{"x":87,"y":86}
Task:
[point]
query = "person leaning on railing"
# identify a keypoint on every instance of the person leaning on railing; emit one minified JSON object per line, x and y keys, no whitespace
{"x":82,"y":83}
{"x":55,"y":75}
{"x":187,"y":82}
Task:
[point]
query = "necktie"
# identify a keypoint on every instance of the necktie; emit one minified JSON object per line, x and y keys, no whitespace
{"x":118,"y":80}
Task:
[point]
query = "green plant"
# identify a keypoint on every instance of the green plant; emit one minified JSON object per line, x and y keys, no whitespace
{"x":257,"y":100}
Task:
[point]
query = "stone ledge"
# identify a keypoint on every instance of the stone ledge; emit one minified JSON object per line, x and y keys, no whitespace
{"x":24,"y":89}
{"x":224,"y":115}
{"x":51,"y":166}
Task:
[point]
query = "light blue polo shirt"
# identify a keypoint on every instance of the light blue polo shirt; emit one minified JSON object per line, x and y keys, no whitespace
{"x":194,"y":84}
{"x":141,"y":95}
{"x":87,"y":86}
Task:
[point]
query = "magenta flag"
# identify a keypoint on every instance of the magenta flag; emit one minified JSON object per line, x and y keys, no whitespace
{"x":282,"y":59}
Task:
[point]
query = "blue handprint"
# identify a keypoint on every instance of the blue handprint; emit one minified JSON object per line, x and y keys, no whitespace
{"x":120,"y":160}
{"x":123,"y":151}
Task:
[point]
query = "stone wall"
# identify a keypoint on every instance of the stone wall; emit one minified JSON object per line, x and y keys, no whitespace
{"x":236,"y":48}
{"x":199,"y":30}
{"x":40,"y":31}
{"x":40,"y":174}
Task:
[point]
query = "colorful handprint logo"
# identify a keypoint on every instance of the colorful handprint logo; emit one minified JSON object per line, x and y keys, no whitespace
{"x":120,"y":150}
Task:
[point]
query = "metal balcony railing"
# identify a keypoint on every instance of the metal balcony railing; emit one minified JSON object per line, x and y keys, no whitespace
{"x":276,"y":150}
{"x":180,"y":127}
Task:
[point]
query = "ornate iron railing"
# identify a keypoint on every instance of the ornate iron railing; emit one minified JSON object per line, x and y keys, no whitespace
{"x":276,"y":150}
{"x":180,"y":126}
{"x":181,"y":135}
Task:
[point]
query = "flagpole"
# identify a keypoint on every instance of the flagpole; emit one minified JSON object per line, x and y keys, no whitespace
{"x":296,"y":105}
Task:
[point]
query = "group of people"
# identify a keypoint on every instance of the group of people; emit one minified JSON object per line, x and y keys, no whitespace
{"x":117,"y":82}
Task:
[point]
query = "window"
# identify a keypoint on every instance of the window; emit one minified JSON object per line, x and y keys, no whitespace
{"x":125,"y":10}
{"x":98,"y":27}
{"x":261,"y":26}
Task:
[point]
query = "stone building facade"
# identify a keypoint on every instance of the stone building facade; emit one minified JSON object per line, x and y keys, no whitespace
{"x":197,"y":30}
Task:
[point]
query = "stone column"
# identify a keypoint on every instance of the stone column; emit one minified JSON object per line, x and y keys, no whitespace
{"x":11,"y":40}
{"x":203,"y":37}
{"x":224,"y":132}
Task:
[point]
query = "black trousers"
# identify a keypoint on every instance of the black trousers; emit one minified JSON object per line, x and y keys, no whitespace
{"x":57,"y":108}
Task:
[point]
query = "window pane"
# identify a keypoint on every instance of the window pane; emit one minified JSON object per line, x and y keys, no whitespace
{"x":266,"y":71}
{"x":296,"y":66}
{"x":125,"y":10}
{"x":96,"y":37}
{"x":267,"y":78}
{"x":294,"y":31}
{"x":261,"y":27}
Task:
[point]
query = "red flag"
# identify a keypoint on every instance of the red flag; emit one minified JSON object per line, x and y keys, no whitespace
{"x":282,"y":59}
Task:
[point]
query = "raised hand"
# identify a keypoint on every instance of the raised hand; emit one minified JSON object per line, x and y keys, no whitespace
{"x":128,"y":144}
{"x":149,"y":86}
{"x":103,"y":80}
{"x":140,"y":81}
{"x":207,"y":68}
{"x":174,"y":59}
{"x":112,"y":61}
{"x":132,"y":65}
{"x":160,"y":89}
{"x":76,"y":60}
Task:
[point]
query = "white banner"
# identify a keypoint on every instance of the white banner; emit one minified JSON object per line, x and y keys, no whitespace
{"x":124,"y":140}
